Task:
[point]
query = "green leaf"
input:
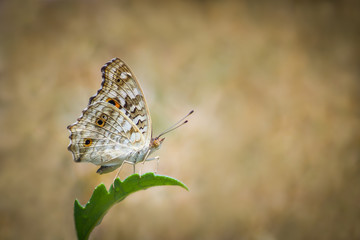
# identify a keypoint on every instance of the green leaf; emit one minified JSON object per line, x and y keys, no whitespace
{"x":90,"y":215}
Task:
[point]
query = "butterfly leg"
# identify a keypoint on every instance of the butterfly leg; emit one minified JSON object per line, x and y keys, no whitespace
{"x":157,"y":165}
{"x":117,"y":174}
{"x":157,"y":162}
{"x":143,"y":161}
{"x":152,"y":159}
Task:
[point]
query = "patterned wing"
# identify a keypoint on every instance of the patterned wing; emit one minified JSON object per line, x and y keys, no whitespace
{"x":103,"y":134}
{"x":121,"y":89}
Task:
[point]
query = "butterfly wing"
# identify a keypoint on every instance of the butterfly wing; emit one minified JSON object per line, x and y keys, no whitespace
{"x":121,"y":89}
{"x":103,"y":134}
{"x":116,"y":123}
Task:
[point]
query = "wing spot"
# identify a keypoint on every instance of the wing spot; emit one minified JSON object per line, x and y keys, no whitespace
{"x":88,"y":142}
{"x":114,"y":102}
{"x":100,"y":122}
{"x":104,"y":117}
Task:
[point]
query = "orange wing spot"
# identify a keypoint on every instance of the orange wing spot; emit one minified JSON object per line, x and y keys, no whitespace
{"x":100,"y":122}
{"x":88,"y":142}
{"x":113,"y":102}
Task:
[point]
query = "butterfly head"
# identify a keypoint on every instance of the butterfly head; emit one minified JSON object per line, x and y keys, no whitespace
{"x":155,"y":143}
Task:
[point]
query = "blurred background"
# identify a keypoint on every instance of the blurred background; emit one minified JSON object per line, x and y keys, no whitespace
{"x":272,"y":151}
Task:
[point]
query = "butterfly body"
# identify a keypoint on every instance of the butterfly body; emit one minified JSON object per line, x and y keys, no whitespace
{"x":116,"y":126}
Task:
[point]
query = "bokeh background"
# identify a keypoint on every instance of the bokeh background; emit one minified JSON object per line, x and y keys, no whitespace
{"x":272,"y":151}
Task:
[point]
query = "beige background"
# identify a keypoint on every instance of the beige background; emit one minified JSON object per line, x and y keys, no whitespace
{"x":272,"y":151}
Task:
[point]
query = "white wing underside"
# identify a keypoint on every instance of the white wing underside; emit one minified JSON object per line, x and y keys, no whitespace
{"x":116,"y":125}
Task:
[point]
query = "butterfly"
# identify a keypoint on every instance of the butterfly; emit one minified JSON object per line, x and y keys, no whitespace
{"x":115,"y":128}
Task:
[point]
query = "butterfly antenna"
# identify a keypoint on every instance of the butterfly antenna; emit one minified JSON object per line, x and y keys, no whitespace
{"x":176,"y":125}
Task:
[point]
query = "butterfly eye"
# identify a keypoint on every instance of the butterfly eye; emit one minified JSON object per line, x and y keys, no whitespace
{"x":100,"y":122}
{"x":88,"y":142}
